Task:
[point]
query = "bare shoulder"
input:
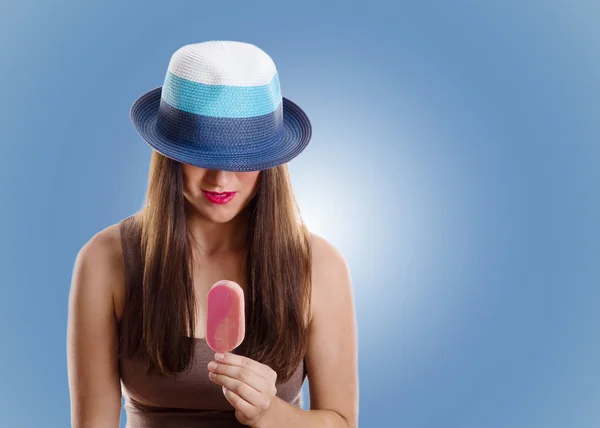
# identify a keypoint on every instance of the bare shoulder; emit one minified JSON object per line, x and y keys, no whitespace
{"x":328,"y":263}
{"x":102,"y":256}
{"x":324,"y":251}
{"x":105,"y":249}
{"x":106,"y":242}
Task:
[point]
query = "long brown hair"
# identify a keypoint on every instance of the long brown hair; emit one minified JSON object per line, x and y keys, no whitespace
{"x":160,"y":308}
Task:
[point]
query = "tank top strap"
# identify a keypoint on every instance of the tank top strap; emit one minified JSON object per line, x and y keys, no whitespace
{"x":133,"y":271}
{"x":130,"y":243}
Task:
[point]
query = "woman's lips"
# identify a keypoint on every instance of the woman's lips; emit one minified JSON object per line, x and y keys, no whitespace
{"x":219,"y":198}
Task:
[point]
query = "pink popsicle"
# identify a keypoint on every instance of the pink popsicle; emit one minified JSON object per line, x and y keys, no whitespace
{"x":225,"y":323}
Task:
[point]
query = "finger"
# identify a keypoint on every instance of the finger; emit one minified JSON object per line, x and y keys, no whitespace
{"x":238,"y":402}
{"x":243,"y":390}
{"x":245,"y":375}
{"x":242,"y":361}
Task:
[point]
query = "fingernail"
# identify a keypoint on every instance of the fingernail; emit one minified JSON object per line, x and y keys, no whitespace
{"x":219,"y":356}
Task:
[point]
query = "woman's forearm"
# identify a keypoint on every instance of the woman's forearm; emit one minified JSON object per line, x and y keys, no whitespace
{"x":283,"y":414}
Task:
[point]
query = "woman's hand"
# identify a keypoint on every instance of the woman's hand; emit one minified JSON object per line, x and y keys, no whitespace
{"x":247,"y":384}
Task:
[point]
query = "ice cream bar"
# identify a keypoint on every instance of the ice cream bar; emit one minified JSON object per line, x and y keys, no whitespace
{"x":225,"y":323}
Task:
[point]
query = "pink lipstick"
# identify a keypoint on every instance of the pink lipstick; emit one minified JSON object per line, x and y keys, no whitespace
{"x":219,"y":198}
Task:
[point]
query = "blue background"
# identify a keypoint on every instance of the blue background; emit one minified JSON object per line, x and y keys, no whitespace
{"x":454,"y":162}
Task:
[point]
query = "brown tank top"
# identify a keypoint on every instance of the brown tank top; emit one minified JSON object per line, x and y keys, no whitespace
{"x":188,"y":398}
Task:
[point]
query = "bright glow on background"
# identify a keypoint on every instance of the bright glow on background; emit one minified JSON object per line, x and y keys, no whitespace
{"x":454,"y":162}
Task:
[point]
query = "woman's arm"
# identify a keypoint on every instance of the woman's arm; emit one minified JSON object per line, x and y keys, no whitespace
{"x":332,"y":355}
{"x":92,"y":337}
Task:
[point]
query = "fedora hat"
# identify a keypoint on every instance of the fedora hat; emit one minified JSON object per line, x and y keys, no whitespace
{"x":221,"y":107}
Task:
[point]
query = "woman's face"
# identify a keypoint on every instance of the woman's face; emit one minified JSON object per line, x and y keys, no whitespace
{"x":196,"y":179}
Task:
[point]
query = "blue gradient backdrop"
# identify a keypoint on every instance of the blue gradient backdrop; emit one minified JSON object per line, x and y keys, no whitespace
{"x":454,"y":163}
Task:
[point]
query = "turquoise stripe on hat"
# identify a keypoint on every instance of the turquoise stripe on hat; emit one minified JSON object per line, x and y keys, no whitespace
{"x":221,"y":100}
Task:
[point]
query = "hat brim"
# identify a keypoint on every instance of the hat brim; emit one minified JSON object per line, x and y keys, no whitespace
{"x":297,"y":131}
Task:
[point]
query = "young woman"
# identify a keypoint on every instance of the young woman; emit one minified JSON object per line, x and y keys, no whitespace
{"x":137,"y":318}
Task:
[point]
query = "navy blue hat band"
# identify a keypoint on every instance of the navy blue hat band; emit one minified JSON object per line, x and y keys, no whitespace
{"x":222,"y":131}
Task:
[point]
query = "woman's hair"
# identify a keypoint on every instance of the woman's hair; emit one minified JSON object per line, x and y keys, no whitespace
{"x":160,"y":311}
